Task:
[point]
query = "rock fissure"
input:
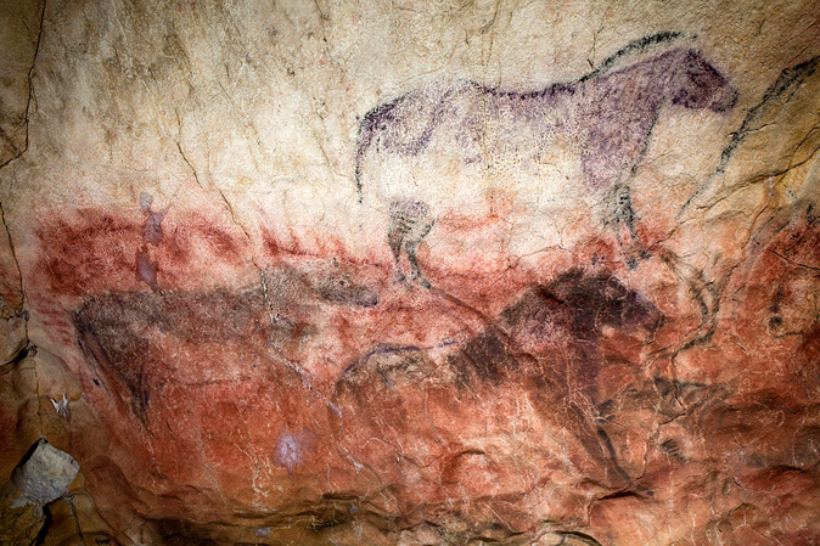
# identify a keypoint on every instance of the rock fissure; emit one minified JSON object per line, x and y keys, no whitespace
{"x":30,"y":98}
{"x":497,"y":274}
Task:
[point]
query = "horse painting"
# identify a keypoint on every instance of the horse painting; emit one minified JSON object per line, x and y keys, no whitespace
{"x":608,"y":115}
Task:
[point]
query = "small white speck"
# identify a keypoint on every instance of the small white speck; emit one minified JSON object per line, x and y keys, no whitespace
{"x":289,"y":451}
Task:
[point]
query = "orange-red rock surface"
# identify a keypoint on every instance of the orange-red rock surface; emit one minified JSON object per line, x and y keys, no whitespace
{"x":536,"y":275}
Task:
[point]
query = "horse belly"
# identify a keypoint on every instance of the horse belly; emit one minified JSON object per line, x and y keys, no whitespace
{"x":506,"y":179}
{"x":538,"y":173}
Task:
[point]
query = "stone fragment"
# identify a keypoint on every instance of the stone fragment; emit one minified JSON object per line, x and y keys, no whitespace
{"x":44,"y":475}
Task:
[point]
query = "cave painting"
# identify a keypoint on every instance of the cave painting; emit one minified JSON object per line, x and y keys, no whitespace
{"x":410,"y":222}
{"x":122,"y":333}
{"x":608,"y":113}
{"x":546,"y":341}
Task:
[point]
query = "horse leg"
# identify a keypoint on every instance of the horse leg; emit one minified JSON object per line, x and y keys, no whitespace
{"x":410,"y":222}
{"x":411,"y":246}
{"x":624,"y":213}
{"x":416,"y":274}
{"x":625,"y":219}
{"x":395,"y":238}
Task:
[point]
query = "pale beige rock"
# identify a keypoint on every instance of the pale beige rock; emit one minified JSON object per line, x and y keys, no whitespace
{"x":362,"y":273}
{"x":19,"y":34}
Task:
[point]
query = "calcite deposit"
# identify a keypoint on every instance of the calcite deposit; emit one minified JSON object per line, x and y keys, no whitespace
{"x":409,"y":273}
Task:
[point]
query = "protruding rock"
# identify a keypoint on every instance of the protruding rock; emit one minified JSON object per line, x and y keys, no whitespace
{"x":42,"y":477}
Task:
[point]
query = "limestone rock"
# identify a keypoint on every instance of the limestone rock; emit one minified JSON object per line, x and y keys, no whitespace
{"x":19,"y":34}
{"x":45,"y":475}
{"x":412,"y":272}
{"x":41,"y":478}
{"x":13,"y":336}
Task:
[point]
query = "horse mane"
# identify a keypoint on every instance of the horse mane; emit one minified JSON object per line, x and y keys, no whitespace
{"x":627,"y":53}
{"x":624,"y":56}
{"x":630,"y":50}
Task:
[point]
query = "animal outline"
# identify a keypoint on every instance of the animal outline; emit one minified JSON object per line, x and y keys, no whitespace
{"x":609,"y":113}
{"x":410,"y":222}
{"x":111,"y":327}
{"x":612,"y":113}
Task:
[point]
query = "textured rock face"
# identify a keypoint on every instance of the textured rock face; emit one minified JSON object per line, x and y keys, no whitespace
{"x":40,"y":479}
{"x":325,"y":273}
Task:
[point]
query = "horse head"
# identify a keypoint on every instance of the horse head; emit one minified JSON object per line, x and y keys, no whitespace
{"x":698,"y":84}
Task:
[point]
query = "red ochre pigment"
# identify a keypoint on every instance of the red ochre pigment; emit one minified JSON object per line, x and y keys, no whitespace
{"x":322,"y":372}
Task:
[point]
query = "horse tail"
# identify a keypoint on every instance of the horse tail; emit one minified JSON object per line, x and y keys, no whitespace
{"x":372,"y":122}
{"x":363,"y":143}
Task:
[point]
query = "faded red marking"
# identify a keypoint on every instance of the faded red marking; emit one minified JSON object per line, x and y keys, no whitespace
{"x":80,"y":256}
{"x":93,"y":251}
{"x":222,"y":243}
{"x":277,"y":248}
{"x":195,"y":352}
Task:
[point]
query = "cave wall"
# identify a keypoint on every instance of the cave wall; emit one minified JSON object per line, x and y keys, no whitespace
{"x":409,"y":273}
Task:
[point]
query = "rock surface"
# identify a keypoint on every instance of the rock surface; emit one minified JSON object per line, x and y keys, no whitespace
{"x":41,"y":478}
{"x":417,"y":273}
